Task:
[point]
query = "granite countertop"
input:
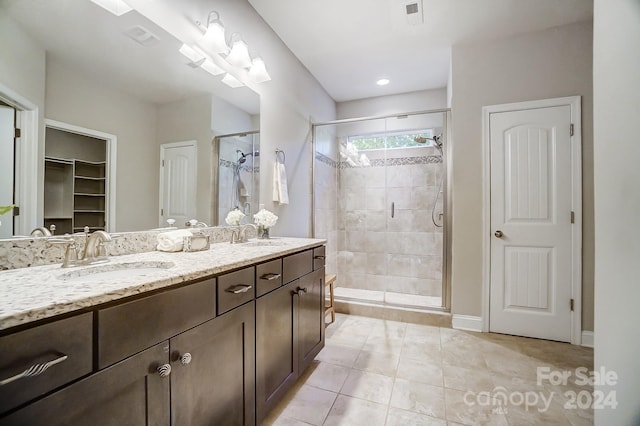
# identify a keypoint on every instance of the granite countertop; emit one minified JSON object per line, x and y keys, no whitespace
{"x":30,"y":294}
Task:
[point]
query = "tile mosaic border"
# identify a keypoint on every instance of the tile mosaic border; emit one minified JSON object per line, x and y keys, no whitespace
{"x":379,"y":162}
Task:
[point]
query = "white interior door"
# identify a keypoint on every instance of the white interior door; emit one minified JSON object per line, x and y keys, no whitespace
{"x":7,"y":132}
{"x":178,"y":172}
{"x":531,"y":242}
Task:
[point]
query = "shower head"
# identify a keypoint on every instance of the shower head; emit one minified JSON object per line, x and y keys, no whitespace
{"x":437,"y":141}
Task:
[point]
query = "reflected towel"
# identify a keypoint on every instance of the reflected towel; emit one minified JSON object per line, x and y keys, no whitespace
{"x":172,"y":240}
{"x":280,"y":191}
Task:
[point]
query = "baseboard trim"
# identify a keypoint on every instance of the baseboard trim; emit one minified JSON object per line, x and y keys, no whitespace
{"x":466,"y":322}
{"x":587,"y":338}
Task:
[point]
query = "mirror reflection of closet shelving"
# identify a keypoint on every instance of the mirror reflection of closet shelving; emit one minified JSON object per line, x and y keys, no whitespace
{"x":75,"y":182}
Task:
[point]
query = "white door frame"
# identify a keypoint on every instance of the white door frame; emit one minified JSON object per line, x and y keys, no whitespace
{"x":112,"y":142}
{"x":576,"y":204}
{"x":27,"y":165}
{"x":163,"y":147}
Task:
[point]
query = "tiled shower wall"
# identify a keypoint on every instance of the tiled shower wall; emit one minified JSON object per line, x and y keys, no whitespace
{"x":402,"y":254}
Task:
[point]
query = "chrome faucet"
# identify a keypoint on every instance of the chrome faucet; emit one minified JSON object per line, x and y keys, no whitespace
{"x":41,"y":231}
{"x":94,"y":248}
{"x":242,"y":235}
{"x":70,"y":252}
{"x":235,"y":236}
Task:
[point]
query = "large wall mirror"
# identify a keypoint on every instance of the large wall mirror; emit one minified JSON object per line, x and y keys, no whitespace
{"x":121,"y":77}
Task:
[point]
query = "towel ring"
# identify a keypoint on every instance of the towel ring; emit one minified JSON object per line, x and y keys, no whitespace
{"x":278,"y":152}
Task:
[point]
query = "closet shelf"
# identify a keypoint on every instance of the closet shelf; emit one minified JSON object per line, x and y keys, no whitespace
{"x":59,"y":217}
{"x":89,"y":177}
{"x":87,"y":194}
{"x":88,"y":211}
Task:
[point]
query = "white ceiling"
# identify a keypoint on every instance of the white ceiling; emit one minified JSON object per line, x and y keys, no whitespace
{"x":93,"y":41}
{"x":349,"y":44}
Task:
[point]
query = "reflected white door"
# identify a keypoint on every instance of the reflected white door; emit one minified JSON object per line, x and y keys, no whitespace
{"x":531,"y":245}
{"x":7,"y":132}
{"x":178,"y":172}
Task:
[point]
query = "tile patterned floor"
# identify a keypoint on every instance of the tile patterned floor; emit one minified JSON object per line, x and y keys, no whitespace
{"x":376,"y":372}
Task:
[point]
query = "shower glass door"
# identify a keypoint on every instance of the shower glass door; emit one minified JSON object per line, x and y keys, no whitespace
{"x":386,"y":173}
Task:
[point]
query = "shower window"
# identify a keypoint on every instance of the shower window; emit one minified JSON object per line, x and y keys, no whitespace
{"x":419,"y":138}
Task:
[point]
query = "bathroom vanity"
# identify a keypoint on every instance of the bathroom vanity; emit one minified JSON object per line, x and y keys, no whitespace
{"x":216,"y":339}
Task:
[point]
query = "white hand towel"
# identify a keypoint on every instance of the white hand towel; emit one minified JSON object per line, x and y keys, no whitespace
{"x":172,"y":240}
{"x":280,"y":191}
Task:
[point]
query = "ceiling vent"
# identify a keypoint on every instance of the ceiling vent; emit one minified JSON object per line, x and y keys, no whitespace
{"x":413,"y":12}
{"x":142,"y":36}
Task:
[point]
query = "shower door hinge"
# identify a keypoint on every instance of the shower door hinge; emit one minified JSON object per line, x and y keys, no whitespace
{"x":573,"y":217}
{"x":571,"y":129}
{"x":571,"y":305}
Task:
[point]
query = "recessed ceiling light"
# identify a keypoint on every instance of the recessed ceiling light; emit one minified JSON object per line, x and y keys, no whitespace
{"x":382,"y":82}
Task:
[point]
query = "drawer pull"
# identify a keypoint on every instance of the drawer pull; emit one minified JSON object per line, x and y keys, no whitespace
{"x":34,"y":370}
{"x":320,"y":257}
{"x":270,"y":276}
{"x":240,"y":288}
{"x":185,"y":359}
{"x":301,"y":289}
{"x":164,"y":370}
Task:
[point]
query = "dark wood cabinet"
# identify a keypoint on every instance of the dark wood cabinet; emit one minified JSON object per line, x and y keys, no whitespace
{"x":213,"y":371}
{"x":276,"y":349}
{"x":310,"y":317}
{"x":289,"y":330}
{"x":131,"y":392}
{"x":167,"y":359}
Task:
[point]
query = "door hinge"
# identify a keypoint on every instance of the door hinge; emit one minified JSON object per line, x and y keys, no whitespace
{"x":162,"y":163}
{"x":161,"y":212}
{"x":571,"y":129}
{"x":571,"y":305}
{"x":16,"y":211}
{"x":573,"y":217}
{"x":17,"y":133}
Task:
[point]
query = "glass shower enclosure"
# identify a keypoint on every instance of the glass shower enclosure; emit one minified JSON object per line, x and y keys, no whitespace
{"x":379,"y":200}
{"x":237,"y":182}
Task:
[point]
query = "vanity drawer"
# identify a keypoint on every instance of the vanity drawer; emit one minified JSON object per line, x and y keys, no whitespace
{"x":318,"y":258}
{"x":297,"y":265}
{"x":268,"y":277}
{"x":235,"y":288}
{"x":49,"y":343}
{"x":128,"y":328}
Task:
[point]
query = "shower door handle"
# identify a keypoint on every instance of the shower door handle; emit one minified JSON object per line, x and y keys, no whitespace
{"x":393,"y":209}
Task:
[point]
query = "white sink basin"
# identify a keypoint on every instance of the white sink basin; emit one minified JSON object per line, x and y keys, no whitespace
{"x":264,"y":243}
{"x":114,"y":271}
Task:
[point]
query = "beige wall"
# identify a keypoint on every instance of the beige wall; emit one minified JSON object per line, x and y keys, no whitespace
{"x":22,"y":72}
{"x":548,"y":64}
{"x":617,"y":202}
{"x":77,"y":99}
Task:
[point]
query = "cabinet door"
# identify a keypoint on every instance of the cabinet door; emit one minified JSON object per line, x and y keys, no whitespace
{"x":276,"y":352}
{"x":214,"y":384}
{"x":130,"y":392}
{"x":310,"y":317}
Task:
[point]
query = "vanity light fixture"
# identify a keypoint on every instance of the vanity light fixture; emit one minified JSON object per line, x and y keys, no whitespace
{"x":214,"y":35}
{"x":195,"y":55}
{"x":117,"y":7}
{"x":231,"y":81}
{"x":239,"y":55}
{"x":258,"y":72}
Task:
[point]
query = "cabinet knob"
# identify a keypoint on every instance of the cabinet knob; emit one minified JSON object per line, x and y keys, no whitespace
{"x":301,"y":290}
{"x":164,"y":370}
{"x":185,"y":359}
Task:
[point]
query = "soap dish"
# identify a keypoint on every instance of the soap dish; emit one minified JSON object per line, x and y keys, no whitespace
{"x":197,"y":242}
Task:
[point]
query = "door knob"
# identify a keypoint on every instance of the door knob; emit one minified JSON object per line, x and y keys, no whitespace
{"x":498,"y":234}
